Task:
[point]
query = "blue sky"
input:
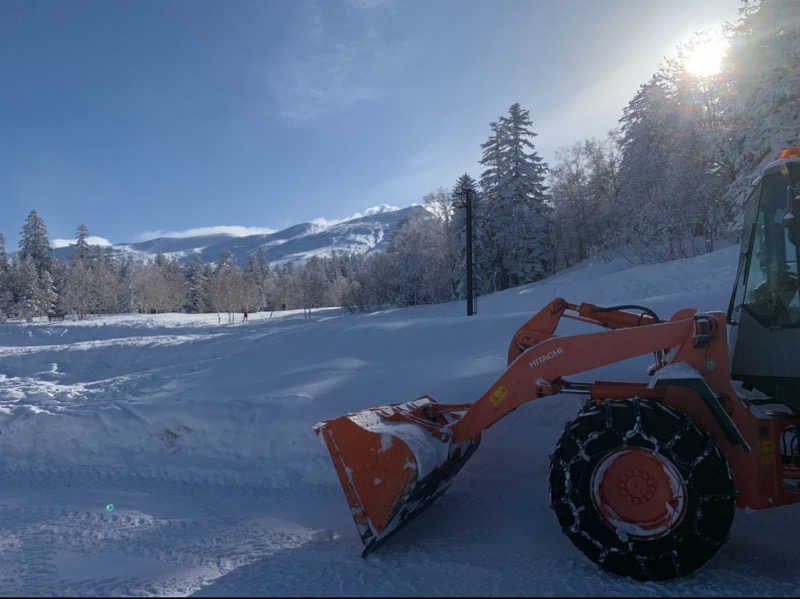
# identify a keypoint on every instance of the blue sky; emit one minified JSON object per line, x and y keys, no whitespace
{"x":135,"y":117}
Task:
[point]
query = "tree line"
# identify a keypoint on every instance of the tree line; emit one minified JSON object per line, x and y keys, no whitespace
{"x":423,"y":264}
{"x":95,"y":281}
{"x":668,"y":183}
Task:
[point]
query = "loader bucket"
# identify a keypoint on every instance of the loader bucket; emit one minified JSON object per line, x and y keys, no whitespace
{"x":393,"y":461}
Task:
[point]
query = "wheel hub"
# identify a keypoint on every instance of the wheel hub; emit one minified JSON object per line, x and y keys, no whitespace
{"x":639,"y":492}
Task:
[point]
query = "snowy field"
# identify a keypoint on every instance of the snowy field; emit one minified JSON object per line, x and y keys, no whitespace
{"x":200,"y":435}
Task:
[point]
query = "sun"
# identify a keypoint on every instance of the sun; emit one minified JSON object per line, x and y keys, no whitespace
{"x":704,"y":56}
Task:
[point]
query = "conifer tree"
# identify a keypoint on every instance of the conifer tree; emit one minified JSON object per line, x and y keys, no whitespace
{"x":82,"y":249}
{"x":494,"y":161}
{"x":126,"y":300}
{"x":529,"y":251}
{"x":515,"y":216}
{"x":29,"y":299}
{"x":525,"y":171}
{"x":197,"y":286}
{"x":34,"y":242}
{"x":258,"y":274}
{"x":225,"y":261}
{"x":6,"y":293}
{"x":4,"y":264}
{"x":48,"y":297}
{"x":261,"y":261}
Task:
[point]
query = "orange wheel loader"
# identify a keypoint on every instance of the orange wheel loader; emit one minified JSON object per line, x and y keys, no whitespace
{"x":645,"y":480}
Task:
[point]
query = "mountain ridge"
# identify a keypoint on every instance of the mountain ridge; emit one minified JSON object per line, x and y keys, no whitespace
{"x":296,"y":244}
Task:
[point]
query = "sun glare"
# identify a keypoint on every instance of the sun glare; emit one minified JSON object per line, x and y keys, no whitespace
{"x":705,"y":58}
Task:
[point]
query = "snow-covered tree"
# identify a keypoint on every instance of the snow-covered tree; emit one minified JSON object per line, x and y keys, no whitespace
{"x":29,"y":300}
{"x":48,"y":297}
{"x":6,"y":292}
{"x":104,"y":288}
{"x":226,"y":260}
{"x":126,"y":298}
{"x":673,"y":175}
{"x":59,"y":270}
{"x":153,"y":292}
{"x":493,"y":150}
{"x":515,"y":214}
{"x":574,"y":217}
{"x":229,"y":290}
{"x":377,"y":281}
{"x":197,"y":299}
{"x":312,"y":283}
{"x":258,"y":273}
{"x":761,"y":103}
{"x":4,"y":263}
{"x":175,"y":282}
{"x":442,"y":204}
{"x":34,"y":242}
{"x":646,"y":224}
{"x":82,"y":249}
{"x":585,"y":192}
{"x":421,"y":264}
{"x":523,"y":178}
{"x":76,"y":296}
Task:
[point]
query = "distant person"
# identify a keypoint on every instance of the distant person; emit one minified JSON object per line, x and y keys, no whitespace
{"x":245,"y":316}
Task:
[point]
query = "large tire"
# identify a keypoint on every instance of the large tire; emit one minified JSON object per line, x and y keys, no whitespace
{"x":641,"y":490}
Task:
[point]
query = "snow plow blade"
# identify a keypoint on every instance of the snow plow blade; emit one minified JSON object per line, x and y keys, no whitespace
{"x":393,"y":461}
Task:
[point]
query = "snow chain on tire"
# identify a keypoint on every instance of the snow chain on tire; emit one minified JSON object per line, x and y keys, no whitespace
{"x":710,"y":496}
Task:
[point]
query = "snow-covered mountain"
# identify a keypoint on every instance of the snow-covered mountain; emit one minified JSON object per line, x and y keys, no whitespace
{"x":298,"y":243}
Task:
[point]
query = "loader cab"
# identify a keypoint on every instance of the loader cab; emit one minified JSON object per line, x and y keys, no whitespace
{"x":764,"y":311}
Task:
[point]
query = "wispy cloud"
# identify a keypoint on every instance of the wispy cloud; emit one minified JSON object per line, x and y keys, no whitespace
{"x":240,"y":231}
{"x":315,"y":85}
{"x":324,"y":223}
{"x":336,"y":60}
{"x":232,"y":230}
{"x":366,"y":3}
{"x":91,"y":240}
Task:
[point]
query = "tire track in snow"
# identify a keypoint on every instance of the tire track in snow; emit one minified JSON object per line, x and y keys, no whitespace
{"x":139,"y":341}
{"x":172,"y":538}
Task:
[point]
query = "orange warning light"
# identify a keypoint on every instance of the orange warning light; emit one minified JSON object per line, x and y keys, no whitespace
{"x":793,"y":152}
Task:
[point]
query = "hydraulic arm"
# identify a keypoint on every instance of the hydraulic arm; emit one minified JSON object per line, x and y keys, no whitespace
{"x":392,"y":461}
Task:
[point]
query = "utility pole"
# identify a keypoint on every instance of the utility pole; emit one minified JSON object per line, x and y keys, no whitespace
{"x":468,"y":201}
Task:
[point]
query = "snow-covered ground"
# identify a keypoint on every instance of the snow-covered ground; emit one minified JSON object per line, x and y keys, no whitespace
{"x":200,"y":435}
